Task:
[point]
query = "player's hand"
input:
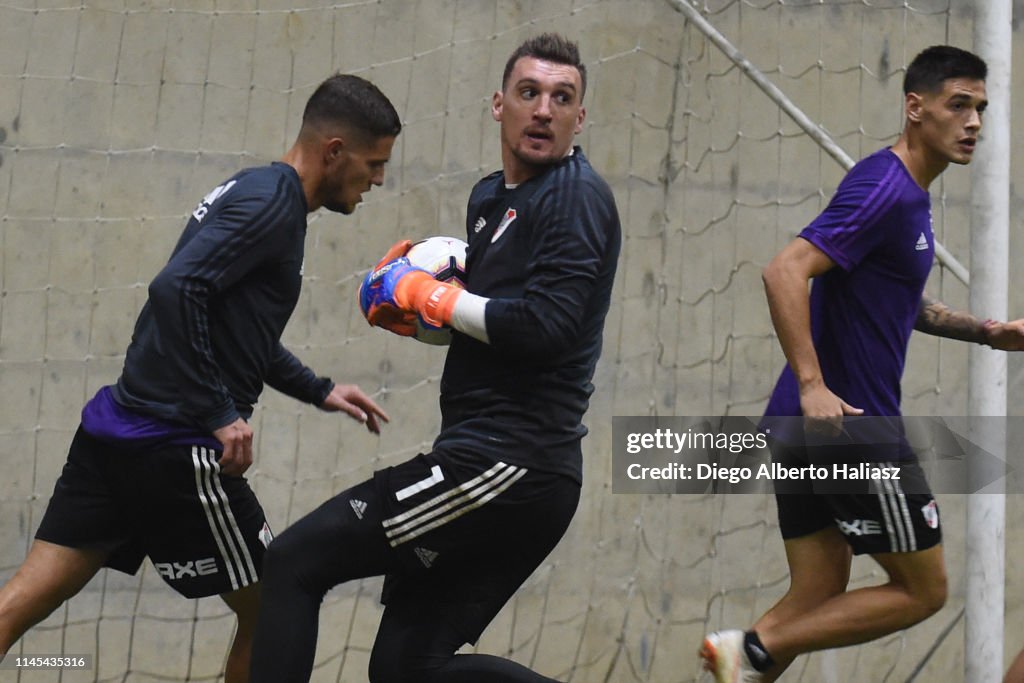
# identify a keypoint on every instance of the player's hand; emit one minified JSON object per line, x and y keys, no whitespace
{"x":1008,"y":336}
{"x":379,"y":297}
{"x":350,"y":399}
{"x":397,"y":250}
{"x":237,"y":441}
{"x":823,"y":411}
{"x":402,"y":323}
{"x":390,"y":317}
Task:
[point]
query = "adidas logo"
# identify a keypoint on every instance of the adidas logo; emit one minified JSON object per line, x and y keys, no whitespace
{"x":480,"y":223}
{"x":922,"y":243}
{"x":358,"y":507}
{"x":427,"y":557}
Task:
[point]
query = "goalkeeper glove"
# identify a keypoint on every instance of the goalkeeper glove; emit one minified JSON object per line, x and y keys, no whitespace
{"x":382,"y":313}
{"x":395,"y":289}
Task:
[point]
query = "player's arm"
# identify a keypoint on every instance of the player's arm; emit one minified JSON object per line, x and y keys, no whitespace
{"x":936,"y":318}
{"x":395,"y":292}
{"x":574,"y":233}
{"x":575,"y":244}
{"x":786,"y":280}
{"x":291,"y":377}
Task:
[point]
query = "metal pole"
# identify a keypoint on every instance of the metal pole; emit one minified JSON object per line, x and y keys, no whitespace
{"x":986,"y":394}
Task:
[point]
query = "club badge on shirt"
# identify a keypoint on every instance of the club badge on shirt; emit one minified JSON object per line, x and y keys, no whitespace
{"x":510,"y":215}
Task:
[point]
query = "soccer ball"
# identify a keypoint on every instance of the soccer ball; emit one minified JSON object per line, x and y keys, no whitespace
{"x":445,"y":259}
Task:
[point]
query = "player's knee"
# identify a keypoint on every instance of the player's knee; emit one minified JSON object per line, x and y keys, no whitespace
{"x":283,"y":562}
{"x":389,"y":670}
{"x":397,"y":667}
{"x":382,"y":671}
{"x":292,"y":563}
{"x":929,"y":596}
{"x":934,"y":595}
{"x":275,"y":560}
{"x":245,"y":603}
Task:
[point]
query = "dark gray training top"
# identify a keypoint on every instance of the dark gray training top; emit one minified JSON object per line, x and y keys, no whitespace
{"x":545,"y":252}
{"x":209,"y":336}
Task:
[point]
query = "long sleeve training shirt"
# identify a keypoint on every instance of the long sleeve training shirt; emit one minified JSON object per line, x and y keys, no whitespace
{"x":209,"y":336}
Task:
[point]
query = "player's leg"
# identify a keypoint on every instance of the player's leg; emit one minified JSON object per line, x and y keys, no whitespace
{"x":49,"y":575}
{"x":245,"y":603}
{"x":901,"y":532}
{"x":206,"y":534}
{"x":916,"y":589}
{"x":819,"y":569}
{"x":82,"y":530}
{"x":478,"y":561}
{"x":416,"y":644}
{"x":339,"y":541}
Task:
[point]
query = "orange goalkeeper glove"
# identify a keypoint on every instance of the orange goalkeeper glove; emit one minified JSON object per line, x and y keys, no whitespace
{"x":434,"y":301}
{"x":394,"y":292}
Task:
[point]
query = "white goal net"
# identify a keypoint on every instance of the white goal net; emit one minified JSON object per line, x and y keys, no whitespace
{"x":117,"y":116}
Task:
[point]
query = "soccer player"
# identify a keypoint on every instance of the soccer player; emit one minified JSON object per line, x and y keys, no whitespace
{"x":456,"y":531}
{"x":156,"y":465}
{"x":869,"y":254}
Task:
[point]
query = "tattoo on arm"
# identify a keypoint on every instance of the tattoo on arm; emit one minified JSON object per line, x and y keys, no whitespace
{"x":935,"y":317}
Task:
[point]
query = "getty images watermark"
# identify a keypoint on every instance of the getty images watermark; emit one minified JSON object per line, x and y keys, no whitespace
{"x":756,"y":455}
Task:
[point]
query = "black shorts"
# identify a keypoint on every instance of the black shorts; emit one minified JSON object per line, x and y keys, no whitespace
{"x":875,"y":515}
{"x":204,"y":532}
{"x":467,"y":534}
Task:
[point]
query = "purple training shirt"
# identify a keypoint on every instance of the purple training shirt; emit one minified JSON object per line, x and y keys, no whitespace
{"x":106,"y":420}
{"x":878,"y":231}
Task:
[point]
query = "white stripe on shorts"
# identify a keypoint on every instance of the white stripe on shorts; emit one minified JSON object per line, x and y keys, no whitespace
{"x":898,"y":524}
{"x":451,"y":504}
{"x":223,"y":526}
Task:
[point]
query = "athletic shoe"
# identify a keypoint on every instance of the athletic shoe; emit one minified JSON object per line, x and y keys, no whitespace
{"x":724,"y":656}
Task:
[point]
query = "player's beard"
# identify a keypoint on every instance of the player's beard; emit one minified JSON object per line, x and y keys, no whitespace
{"x":537,"y":161}
{"x":340,"y":207}
{"x":337,"y":202}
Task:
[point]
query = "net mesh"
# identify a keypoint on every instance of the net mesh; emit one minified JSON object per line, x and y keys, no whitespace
{"x":117,"y":116}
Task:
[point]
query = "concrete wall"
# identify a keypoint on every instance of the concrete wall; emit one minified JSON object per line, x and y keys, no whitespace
{"x":117,"y":116}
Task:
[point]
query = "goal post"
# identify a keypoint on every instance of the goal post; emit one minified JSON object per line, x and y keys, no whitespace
{"x":989,"y":297}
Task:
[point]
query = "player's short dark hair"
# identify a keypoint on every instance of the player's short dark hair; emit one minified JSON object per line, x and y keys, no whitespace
{"x":938,"y":63}
{"x":354,"y":102}
{"x":551,"y":47}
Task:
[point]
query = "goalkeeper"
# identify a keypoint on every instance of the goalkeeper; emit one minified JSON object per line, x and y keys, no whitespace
{"x":457,"y":531}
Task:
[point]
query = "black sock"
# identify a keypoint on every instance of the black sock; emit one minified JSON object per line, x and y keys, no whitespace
{"x":758,"y":656}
